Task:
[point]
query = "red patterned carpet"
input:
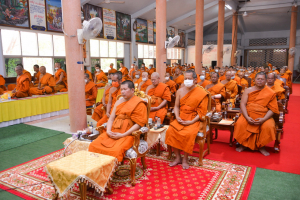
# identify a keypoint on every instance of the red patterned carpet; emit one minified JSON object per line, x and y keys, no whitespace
{"x":215,"y":180}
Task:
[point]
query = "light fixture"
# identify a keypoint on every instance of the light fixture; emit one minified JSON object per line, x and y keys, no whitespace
{"x":228,"y":6}
{"x":295,"y":4}
{"x":245,"y":14}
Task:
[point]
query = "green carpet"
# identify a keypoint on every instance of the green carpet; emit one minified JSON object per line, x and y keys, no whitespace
{"x":22,"y":134}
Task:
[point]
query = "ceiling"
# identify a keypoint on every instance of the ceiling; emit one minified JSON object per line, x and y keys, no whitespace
{"x":263,"y":15}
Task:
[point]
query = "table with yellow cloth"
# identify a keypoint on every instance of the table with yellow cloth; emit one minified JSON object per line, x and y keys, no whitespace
{"x":100,"y":94}
{"x":83,"y":167}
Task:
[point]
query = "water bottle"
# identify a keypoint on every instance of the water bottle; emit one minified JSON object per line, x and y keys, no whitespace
{"x":225,"y":114}
{"x":8,"y":97}
{"x":158,"y":122}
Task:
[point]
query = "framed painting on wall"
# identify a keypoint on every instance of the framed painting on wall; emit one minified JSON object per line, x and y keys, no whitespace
{"x":54,"y":15}
{"x":141,"y":34}
{"x":123,"y":26}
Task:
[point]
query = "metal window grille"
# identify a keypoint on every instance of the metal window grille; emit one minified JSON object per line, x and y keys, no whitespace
{"x":259,"y":57}
{"x":268,"y":42}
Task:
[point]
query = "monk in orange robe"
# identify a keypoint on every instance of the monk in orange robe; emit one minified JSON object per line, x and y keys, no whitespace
{"x":256,"y":127}
{"x":285,"y":74}
{"x":27,"y":73}
{"x":244,"y":82}
{"x":203,"y":82}
{"x":60,"y":79}
{"x":46,"y":83}
{"x":178,"y":77}
{"x":160,"y":95}
{"x":137,"y":78}
{"x":2,"y":85}
{"x":172,"y":85}
{"x":129,"y":114}
{"x":89,"y":73}
{"x":231,"y":87}
{"x":123,"y":69}
{"x":136,"y":69}
{"x":100,"y":78}
{"x":279,"y":82}
{"x":222,"y":75}
{"x":169,"y":70}
{"x":190,"y":107}
{"x":90,"y":91}
{"x":131,"y":71}
{"x":217,"y":91}
{"x":145,"y":82}
{"x":22,"y":88}
{"x":280,"y":91}
{"x":114,"y":92}
{"x":126,"y":77}
{"x":36,"y":75}
{"x":112,"y":69}
{"x":151,"y":70}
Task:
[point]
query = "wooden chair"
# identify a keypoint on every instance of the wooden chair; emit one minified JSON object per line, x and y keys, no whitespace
{"x":239,"y":97}
{"x":202,"y":136}
{"x":279,"y":119}
{"x":133,"y":153}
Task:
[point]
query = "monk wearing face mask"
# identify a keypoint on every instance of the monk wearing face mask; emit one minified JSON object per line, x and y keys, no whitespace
{"x":137,"y":78}
{"x":170,"y":83}
{"x":145,"y":82}
{"x":203,"y":82}
{"x":217,"y":91}
{"x":100,"y":77}
{"x":90,"y":91}
{"x":231,"y":87}
{"x":112,"y":69}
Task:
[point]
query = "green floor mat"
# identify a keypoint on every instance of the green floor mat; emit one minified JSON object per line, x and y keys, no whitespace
{"x":22,"y":134}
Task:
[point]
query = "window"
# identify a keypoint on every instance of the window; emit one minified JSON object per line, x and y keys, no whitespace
{"x":148,"y":62}
{"x":174,"y":53}
{"x":94,"y":48}
{"x":103,"y":48}
{"x":29,"y":44}
{"x":10,"y":64}
{"x":105,"y":62}
{"x":146,"y":53}
{"x":45,"y":45}
{"x":11,"y":43}
{"x":112,"y":49}
{"x":28,"y":63}
{"x":59,"y":45}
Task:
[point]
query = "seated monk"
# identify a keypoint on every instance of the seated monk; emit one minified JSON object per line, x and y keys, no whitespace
{"x":99,"y":111}
{"x":178,"y":77}
{"x":278,"y":81}
{"x":217,"y":91}
{"x":22,"y":88}
{"x":203,"y":82}
{"x":27,"y":73}
{"x":169,"y":69}
{"x":151,"y":70}
{"x":137,"y":78}
{"x":131,"y":71}
{"x":90,"y":91}
{"x":100,"y":77}
{"x":280,"y":91}
{"x":172,"y":85}
{"x":134,"y":72}
{"x":256,"y":127}
{"x":222,"y":75}
{"x":2,"y":85}
{"x":89,"y":73}
{"x":60,"y":79}
{"x":46,"y":83}
{"x":190,"y":106}
{"x":114,"y":92}
{"x":285,"y":74}
{"x":112,"y":69}
{"x":231,"y":87}
{"x":145,"y":82}
{"x":123,"y":69}
{"x":126,"y":77}
{"x":244,"y":82}
{"x":36,"y":75}
{"x":129,"y":114}
{"x":236,"y":77}
{"x":160,"y":95}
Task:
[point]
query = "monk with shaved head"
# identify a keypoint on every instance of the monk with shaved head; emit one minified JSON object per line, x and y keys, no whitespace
{"x":203,"y":82}
{"x":46,"y":83}
{"x":160,"y":95}
{"x":22,"y":88}
{"x":231,"y":87}
{"x":170,"y":83}
{"x":217,"y":91}
{"x":178,"y":77}
{"x":145,"y":82}
{"x":280,"y":91}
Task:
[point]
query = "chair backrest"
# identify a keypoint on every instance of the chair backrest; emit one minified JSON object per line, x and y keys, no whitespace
{"x":240,"y":88}
{"x":209,"y":98}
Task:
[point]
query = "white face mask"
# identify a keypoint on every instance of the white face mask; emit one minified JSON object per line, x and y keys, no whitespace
{"x":98,"y":70}
{"x":167,"y":78}
{"x":56,"y":68}
{"x":203,"y":71}
{"x":109,"y":81}
{"x":188,"y":83}
{"x":217,"y":70}
{"x":131,"y":67}
{"x":202,"y":78}
{"x":149,"y":67}
{"x":144,"y":79}
{"x":85,"y":80}
{"x":246,"y":75}
{"x":137,"y":76}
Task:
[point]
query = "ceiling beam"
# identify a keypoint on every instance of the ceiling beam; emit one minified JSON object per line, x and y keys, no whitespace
{"x":191,"y":13}
{"x":232,"y":4}
{"x":209,"y":22}
{"x":215,"y":26}
{"x":82,"y":2}
{"x":263,"y":5}
{"x":241,"y":24}
{"x":143,"y":11}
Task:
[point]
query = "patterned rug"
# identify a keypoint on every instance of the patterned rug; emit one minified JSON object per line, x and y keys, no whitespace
{"x":215,"y":180}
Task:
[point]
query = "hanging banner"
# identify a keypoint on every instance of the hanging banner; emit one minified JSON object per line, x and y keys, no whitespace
{"x":37,"y":15}
{"x":181,"y":42}
{"x":150,"y":32}
{"x":109,"y":22}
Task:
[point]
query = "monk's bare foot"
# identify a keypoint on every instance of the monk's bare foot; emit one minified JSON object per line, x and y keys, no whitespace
{"x":177,"y":161}
{"x":264,"y":151}
{"x":185,"y":165}
{"x":240,"y":148}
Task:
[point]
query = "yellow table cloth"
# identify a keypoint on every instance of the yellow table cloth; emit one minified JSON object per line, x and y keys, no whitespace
{"x":100,"y":94}
{"x":92,"y":168}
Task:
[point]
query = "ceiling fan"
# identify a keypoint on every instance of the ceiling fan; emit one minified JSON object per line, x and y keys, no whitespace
{"x":109,"y":1}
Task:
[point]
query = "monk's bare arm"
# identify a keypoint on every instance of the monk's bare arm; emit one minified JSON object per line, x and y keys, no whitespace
{"x":61,"y":76}
{"x":131,"y":130}
{"x":176,"y":107}
{"x":109,"y":103}
{"x":111,"y":119}
{"x":103,"y":98}
{"x":243,"y":106}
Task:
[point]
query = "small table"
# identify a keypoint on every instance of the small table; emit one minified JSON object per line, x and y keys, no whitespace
{"x":221,"y":126}
{"x":83,"y":167}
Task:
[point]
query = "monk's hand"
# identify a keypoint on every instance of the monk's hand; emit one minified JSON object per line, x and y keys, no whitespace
{"x":259,"y":121}
{"x":107,"y":114}
{"x":250,"y":121}
{"x":186,"y":123}
{"x":154,"y":109}
{"x":116,"y":135}
{"x":213,"y":97}
{"x":180,"y":121}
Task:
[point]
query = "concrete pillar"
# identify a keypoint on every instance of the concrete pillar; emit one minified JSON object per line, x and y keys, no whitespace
{"x":76,"y":84}
{"x":234,"y":38}
{"x":199,"y":35}
{"x":221,"y":16}
{"x":161,"y":26}
{"x":293,"y":37}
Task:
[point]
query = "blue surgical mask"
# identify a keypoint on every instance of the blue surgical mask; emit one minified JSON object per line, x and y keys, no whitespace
{"x":137,"y":76}
{"x":109,"y":81}
{"x":202,"y":78}
{"x":232,"y":77}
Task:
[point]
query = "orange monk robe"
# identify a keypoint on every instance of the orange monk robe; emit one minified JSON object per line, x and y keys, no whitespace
{"x":138,"y":81}
{"x":288,"y":79}
{"x":207,"y":77}
{"x":90,"y":93}
{"x":126,"y":78}
{"x":37,"y":78}
{"x":280,"y":91}
{"x":192,"y":67}
{"x":257,"y":136}
{"x":219,"y":88}
{"x":238,"y":80}
{"x":169,"y":70}
{"x":232,"y":88}
{"x":124,"y":70}
{"x":127,"y":114}
{"x":158,"y":94}
{"x":212,"y":70}
{"x":222,"y":78}
{"x":62,"y":86}
{"x":130,"y":72}
{"x":29,"y":76}
{"x":112,"y":71}
{"x":172,"y":85}
{"x":47,"y":83}
{"x":2,"y":84}
{"x":22,"y":88}
{"x":145,"y":85}
{"x":101,"y":79}
{"x":90,"y":74}
{"x":192,"y":104}
{"x":279,"y":82}
{"x":179,"y":80}
{"x":198,"y":78}
{"x":150,"y":71}
{"x":205,"y":83}
{"x":114,"y":96}
{"x":99,"y":111}
{"x":244,"y":83}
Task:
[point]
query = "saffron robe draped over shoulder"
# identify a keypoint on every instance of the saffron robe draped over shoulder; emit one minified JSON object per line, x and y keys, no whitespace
{"x":37,"y":78}
{"x":232,"y":89}
{"x":101,"y":79}
{"x":90,"y":74}
{"x":219,"y":88}
{"x":258,"y":104}
{"x":127,"y":114}
{"x":138,"y":80}
{"x":62,"y":86}
{"x":205,"y":83}
{"x":99,"y":111}
{"x":280,"y":91}
{"x":150,"y":71}
{"x":179,"y":80}
{"x":145,"y":85}
{"x":158,"y":94}
{"x":90,"y":93}
{"x":222,"y":78}
{"x":112,"y":71}
{"x":288,"y":79}
{"x":2,"y":85}
{"x":47,"y":83}
{"x":124,"y":70}
{"x":192,"y":104}
{"x":279,"y":82}
{"x":172,"y":85}
{"x":22,"y":88}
